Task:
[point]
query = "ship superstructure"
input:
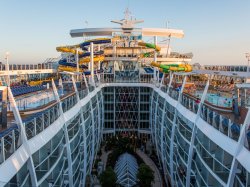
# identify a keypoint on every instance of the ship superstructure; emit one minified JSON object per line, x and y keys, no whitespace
{"x":55,"y":115}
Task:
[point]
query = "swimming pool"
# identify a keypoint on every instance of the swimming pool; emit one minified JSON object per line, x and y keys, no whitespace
{"x":36,"y":100}
{"x":217,"y":99}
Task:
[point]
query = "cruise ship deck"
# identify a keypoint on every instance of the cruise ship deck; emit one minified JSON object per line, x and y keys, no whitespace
{"x":55,"y":115}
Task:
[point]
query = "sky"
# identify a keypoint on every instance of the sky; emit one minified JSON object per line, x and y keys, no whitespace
{"x":216,"y":31}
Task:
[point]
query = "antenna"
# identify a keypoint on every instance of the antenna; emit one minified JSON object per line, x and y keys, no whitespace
{"x":86,"y":23}
{"x":127,"y":14}
{"x":167,"y":24}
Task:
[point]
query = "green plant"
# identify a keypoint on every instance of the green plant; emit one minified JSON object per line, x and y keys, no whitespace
{"x":99,"y":153}
{"x":145,"y":175}
{"x":108,"y":178}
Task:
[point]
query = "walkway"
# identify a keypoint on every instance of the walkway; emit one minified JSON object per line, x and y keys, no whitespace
{"x":151,"y":164}
{"x":104,"y":157}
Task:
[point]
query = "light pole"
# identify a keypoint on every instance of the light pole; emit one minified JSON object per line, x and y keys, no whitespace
{"x":7,"y":68}
{"x":85,"y":37}
{"x":248,"y":60}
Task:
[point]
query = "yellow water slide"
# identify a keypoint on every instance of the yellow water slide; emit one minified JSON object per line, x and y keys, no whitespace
{"x":68,"y":68}
{"x":68,"y":49}
{"x":87,"y":59}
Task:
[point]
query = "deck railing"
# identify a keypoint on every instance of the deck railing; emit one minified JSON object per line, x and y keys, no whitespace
{"x":47,"y":114}
{"x":226,"y":68}
{"x":13,"y":67}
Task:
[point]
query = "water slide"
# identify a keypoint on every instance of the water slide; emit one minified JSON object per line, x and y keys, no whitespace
{"x":95,"y":41}
{"x":98,"y":56}
{"x":68,"y":49}
{"x":83,"y":46}
{"x":66,"y":66}
{"x":172,"y":67}
{"x":149,"y":45}
{"x":84,"y":57}
{"x":87,"y":59}
{"x":95,"y":72}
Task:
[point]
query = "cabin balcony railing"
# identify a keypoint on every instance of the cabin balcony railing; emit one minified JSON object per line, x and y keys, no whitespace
{"x":184,"y":130}
{"x":201,"y":174}
{"x":129,"y":78}
{"x":9,"y":142}
{"x":209,"y":158}
{"x":15,"y":67}
{"x":173,"y":93}
{"x":221,"y":122}
{"x":37,"y":122}
{"x":227,"y":68}
{"x":190,"y":103}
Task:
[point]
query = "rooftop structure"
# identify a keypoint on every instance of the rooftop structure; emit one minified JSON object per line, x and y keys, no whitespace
{"x":127,"y":27}
{"x":126,"y":169}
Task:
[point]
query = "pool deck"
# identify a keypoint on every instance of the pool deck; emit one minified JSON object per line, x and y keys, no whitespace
{"x":225,"y":111}
{"x":26,"y":113}
{"x":237,"y":119}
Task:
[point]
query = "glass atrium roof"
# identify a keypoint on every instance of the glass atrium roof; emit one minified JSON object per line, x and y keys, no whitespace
{"x":126,"y":170}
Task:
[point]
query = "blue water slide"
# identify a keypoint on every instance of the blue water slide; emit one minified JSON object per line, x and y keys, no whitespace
{"x":88,"y":54}
{"x":96,"y":71}
{"x":87,"y":43}
{"x":64,"y":62}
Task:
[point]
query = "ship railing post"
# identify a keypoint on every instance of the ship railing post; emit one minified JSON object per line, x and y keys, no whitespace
{"x":92,"y":81}
{"x":13,"y":140}
{"x":85,"y":147}
{"x":170,"y":81}
{"x":191,"y":147}
{"x":84,"y":132}
{"x":114,"y":107}
{"x":68,"y":149}
{"x":93,"y":133}
{"x":77,"y":62}
{"x":155,"y":59}
{"x":151,"y":114}
{"x":43,"y":122}
{"x":162,"y":80}
{"x":86,"y":82}
{"x":162,"y":122}
{"x":99,"y":119}
{"x":155,"y":119}
{"x":2,"y":155}
{"x":75,"y":88}
{"x":34,"y":123}
{"x":99,"y":62}
{"x":240,"y":146}
{"x":173,"y":131}
{"x":229,"y":130}
{"x":99,"y":79}
{"x":23,"y":136}
{"x":102,"y":115}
